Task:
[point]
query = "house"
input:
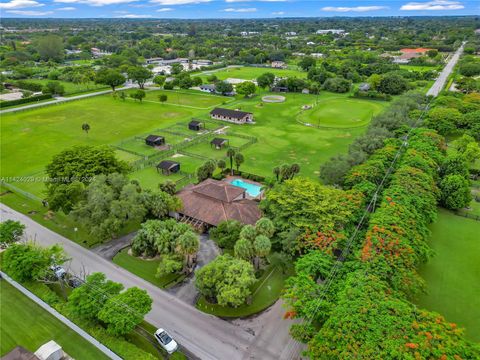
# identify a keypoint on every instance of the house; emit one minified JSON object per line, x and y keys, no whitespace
{"x":195,"y":125}
{"x":210,"y":88}
{"x":316,"y":55}
{"x":20,"y":353}
{"x":298,"y":54}
{"x":331,"y":31}
{"x":310,"y":43}
{"x":414,"y":52}
{"x":202,"y":62}
{"x":214,"y":201}
{"x":305,"y":91}
{"x":155,"y":60}
{"x":219,"y":143}
{"x":168,"y":167}
{"x":233,"y":116}
{"x":279,"y":65}
{"x":154,"y":140}
{"x":291,"y":33}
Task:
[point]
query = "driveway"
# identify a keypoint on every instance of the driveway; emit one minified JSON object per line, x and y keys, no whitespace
{"x":109,"y":249}
{"x":186,"y":291}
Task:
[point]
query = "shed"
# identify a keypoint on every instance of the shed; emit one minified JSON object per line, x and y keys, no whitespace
{"x":50,"y":351}
{"x":154,"y":140}
{"x":168,"y":167}
{"x":219,"y":143}
{"x":195,"y":125}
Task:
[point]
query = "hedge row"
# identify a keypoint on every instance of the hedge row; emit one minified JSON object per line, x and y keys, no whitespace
{"x":27,"y":100}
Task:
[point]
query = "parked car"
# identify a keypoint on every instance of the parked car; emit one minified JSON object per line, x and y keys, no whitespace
{"x":58,"y":271}
{"x":166,"y":341}
{"x":74,"y":282}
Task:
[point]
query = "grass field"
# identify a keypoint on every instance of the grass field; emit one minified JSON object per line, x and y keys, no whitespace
{"x":251,"y":73}
{"x":340,"y":113}
{"x":191,"y":98}
{"x":71,"y":88}
{"x":146,"y":269}
{"x":29,"y":139}
{"x":453,"y":274}
{"x":419,"y":68}
{"x":25,"y":323}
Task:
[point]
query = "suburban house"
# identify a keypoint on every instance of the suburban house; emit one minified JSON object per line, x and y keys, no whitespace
{"x":168,"y":167}
{"x":316,"y":55}
{"x":210,"y":88}
{"x":291,"y":33}
{"x":213,"y":201}
{"x":202,"y":62}
{"x":331,"y":31}
{"x":409,"y":54}
{"x":154,"y":140}
{"x":233,"y":116}
{"x":196,"y":125}
{"x":155,"y":60}
{"x":279,"y":65}
{"x":218,"y":143}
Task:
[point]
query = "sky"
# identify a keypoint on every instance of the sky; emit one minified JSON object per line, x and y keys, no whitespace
{"x":236,"y":9}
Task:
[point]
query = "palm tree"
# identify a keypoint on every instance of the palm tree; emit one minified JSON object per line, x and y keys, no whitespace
{"x":294,"y":170}
{"x":187,"y":246}
{"x":276,"y":171}
{"x":221,"y":165}
{"x":86,"y":127}
{"x":262,"y":247}
{"x":239,"y":159}
{"x":231,"y":154}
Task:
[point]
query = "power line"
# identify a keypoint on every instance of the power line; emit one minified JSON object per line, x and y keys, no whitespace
{"x":292,"y":346}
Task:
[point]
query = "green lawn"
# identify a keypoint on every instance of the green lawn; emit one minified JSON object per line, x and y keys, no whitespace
{"x":71,"y":88}
{"x":192,"y":98}
{"x":420,"y":68}
{"x":341,"y":113}
{"x":252,"y":73}
{"x":29,"y":139}
{"x":265,"y":292}
{"x":146,"y":269}
{"x":25,"y":323}
{"x":453,"y":274}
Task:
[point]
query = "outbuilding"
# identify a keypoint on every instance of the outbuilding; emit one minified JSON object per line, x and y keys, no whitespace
{"x":234,"y":116}
{"x":219,"y":143}
{"x":195,"y":125}
{"x":154,"y":140}
{"x":168,"y":167}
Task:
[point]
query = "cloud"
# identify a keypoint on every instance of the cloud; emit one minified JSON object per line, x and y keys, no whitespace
{"x":241,"y":10}
{"x":134,"y":16}
{"x":68,"y":8}
{"x":29,"y":12}
{"x":164,"y":9}
{"x":433,"y":5}
{"x":354,"y":9}
{"x":95,"y":2}
{"x":239,"y":1}
{"x":19,"y":4}
{"x":178,"y":2}
{"x":278,"y":13}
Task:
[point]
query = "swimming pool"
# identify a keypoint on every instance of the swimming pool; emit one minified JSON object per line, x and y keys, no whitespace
{"x":252,"y":189}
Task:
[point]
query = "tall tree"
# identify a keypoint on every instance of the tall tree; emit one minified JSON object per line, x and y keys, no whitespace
{"x":230,"y":154}
{"x":239,"y":160}
{"x":88,"y":299}
{"x":50,"y":48}
{"x":109,"y":77}
{"x":187,"y":246}
{"x":123,"y":312}
{"x":139,"y":74}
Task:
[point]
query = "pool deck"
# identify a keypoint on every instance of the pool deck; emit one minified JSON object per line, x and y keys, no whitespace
{"x":230,"y":178}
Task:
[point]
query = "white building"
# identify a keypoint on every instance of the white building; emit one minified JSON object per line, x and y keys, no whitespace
{"x":331,"y":31}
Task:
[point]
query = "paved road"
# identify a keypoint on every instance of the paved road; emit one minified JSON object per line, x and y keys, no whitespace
{"x":206,"y":336}
{"x":60,"y":100}
{"x":447,"y":70}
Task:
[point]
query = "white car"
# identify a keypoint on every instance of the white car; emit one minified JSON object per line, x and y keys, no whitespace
{"x":166,"y":341}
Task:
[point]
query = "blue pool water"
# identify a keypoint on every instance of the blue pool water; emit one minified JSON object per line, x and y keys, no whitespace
{"x":252,"y":189}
